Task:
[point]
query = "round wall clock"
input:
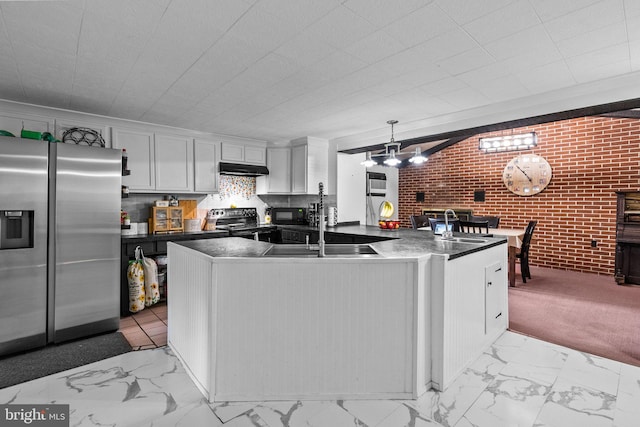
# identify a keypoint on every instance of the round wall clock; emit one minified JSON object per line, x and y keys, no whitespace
{"x":527,"y":174}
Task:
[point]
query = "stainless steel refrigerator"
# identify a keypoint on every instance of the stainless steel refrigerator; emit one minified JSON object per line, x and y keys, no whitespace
{"x":375,"y":197}
{"x":59,"y":242}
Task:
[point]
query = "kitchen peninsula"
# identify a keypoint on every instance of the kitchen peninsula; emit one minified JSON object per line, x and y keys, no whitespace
{"x":391,"y":324}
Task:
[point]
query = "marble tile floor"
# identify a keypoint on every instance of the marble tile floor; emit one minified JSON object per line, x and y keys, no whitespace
{"x":519,"y":381}
{"x":146,"y":329}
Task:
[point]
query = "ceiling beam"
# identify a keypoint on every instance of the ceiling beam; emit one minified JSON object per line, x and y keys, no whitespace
{"x":619,"y":108}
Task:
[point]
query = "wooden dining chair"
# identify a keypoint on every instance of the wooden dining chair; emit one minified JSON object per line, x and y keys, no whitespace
{"x":476,"y":227}
{"x":418,"y":221}
{"x":523,"y":254}
{"x":494,"y":221}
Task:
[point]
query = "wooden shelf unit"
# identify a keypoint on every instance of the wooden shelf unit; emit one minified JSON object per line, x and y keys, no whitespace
{"x":166,"y":219}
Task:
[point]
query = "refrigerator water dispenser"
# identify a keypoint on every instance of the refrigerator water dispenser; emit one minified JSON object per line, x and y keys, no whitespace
{"x":16,"y":229}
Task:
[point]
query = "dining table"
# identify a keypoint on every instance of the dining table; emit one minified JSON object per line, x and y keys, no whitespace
{"x":514,"y":241}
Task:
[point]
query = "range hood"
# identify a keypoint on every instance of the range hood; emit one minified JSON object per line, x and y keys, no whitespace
{"x":242,"y":170}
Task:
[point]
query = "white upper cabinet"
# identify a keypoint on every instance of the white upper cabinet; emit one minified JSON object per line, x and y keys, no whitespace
{"x":206,"y":165}
{"x":15,"y":123}
{"x":64,"y":125}
{"x":299,"y":181}
{"x":174,"y":163}
{"x":296,"y":169}
{"x":243,"y":153}
{"x":158,"y":162}
{"x":232,"y":152}
{"x":141,"y":158}
{"x":255,"y":155}
{"x":279,"y":179}
{"x":309,"y":164}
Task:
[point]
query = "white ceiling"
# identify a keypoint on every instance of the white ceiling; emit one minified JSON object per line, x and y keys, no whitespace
{"x":281,"y":69}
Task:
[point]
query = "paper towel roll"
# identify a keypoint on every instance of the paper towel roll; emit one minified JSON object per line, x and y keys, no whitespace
{"x":332,"y":219}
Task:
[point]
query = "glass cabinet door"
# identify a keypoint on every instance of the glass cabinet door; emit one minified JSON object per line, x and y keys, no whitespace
{"x":176,"y":218}
{"x":160,"y":219}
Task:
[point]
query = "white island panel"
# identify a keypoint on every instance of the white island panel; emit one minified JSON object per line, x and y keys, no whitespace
{"x":189,"y":308}
{"x":318,"y":329}
{"x":255,"y":328}
{"x":459,"y":300}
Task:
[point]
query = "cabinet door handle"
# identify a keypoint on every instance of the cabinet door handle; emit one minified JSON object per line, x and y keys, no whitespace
{"x":499,"y":269}
{"x":489,"y":283}
{"x":499,"y":314}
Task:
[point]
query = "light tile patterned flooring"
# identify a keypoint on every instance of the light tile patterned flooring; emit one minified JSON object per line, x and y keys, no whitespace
{"x":518,"y":381}
{"x":146,"y":329}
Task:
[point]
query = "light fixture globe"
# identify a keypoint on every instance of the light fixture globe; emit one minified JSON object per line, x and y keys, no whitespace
{"x":392,"y":160}
{"x":418,"y":158}
{"x":493,"y":144}
{"x":368,"y":162}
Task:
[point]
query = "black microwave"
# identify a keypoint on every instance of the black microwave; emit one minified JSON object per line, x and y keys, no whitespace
{"x":289,"y":216}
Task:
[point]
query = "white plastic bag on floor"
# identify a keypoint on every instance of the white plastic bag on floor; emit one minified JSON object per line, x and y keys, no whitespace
{"x":135,"y":279}
{"x":151,"y":289}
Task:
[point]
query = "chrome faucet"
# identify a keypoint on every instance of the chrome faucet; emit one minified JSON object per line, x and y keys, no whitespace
{"x":321,"y":220}
{"x":448,"y":234}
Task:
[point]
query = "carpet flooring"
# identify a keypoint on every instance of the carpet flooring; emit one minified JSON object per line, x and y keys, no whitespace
{"x":586,"y":312}
{"x":49,"y":360}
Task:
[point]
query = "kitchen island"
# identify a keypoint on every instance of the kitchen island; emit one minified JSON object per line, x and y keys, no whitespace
{"x":250,"y":327}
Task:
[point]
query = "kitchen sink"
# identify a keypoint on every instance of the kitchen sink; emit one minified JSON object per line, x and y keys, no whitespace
{"x":332,"y":250}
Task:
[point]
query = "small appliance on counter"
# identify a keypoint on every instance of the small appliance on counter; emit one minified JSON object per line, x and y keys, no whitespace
{"x":313,"y":215}
{"x":289,"y":216}
{"x":192,"y":225}
{"x":212,"y":219}
{"x":332,"y":217}
{"x":173,"y":200}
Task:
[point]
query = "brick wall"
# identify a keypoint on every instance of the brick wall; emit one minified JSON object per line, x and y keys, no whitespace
{"x":591,"y":158}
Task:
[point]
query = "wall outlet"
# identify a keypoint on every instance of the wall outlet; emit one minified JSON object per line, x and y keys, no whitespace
{"x":594,"y":243}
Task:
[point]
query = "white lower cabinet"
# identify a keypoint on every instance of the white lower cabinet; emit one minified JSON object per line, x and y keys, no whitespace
{"x":467,"y":314}
{"x":206,"y":165}
{"x":494,"y":302}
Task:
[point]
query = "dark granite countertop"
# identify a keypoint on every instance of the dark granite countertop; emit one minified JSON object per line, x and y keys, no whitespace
{"x":233,"y":247}
{"x":400,"y":243}
{"x":189,"y":235}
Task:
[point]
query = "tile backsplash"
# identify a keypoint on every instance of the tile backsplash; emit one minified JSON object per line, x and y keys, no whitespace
{"x":138,"y":205}
{"x":238,"y":186}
